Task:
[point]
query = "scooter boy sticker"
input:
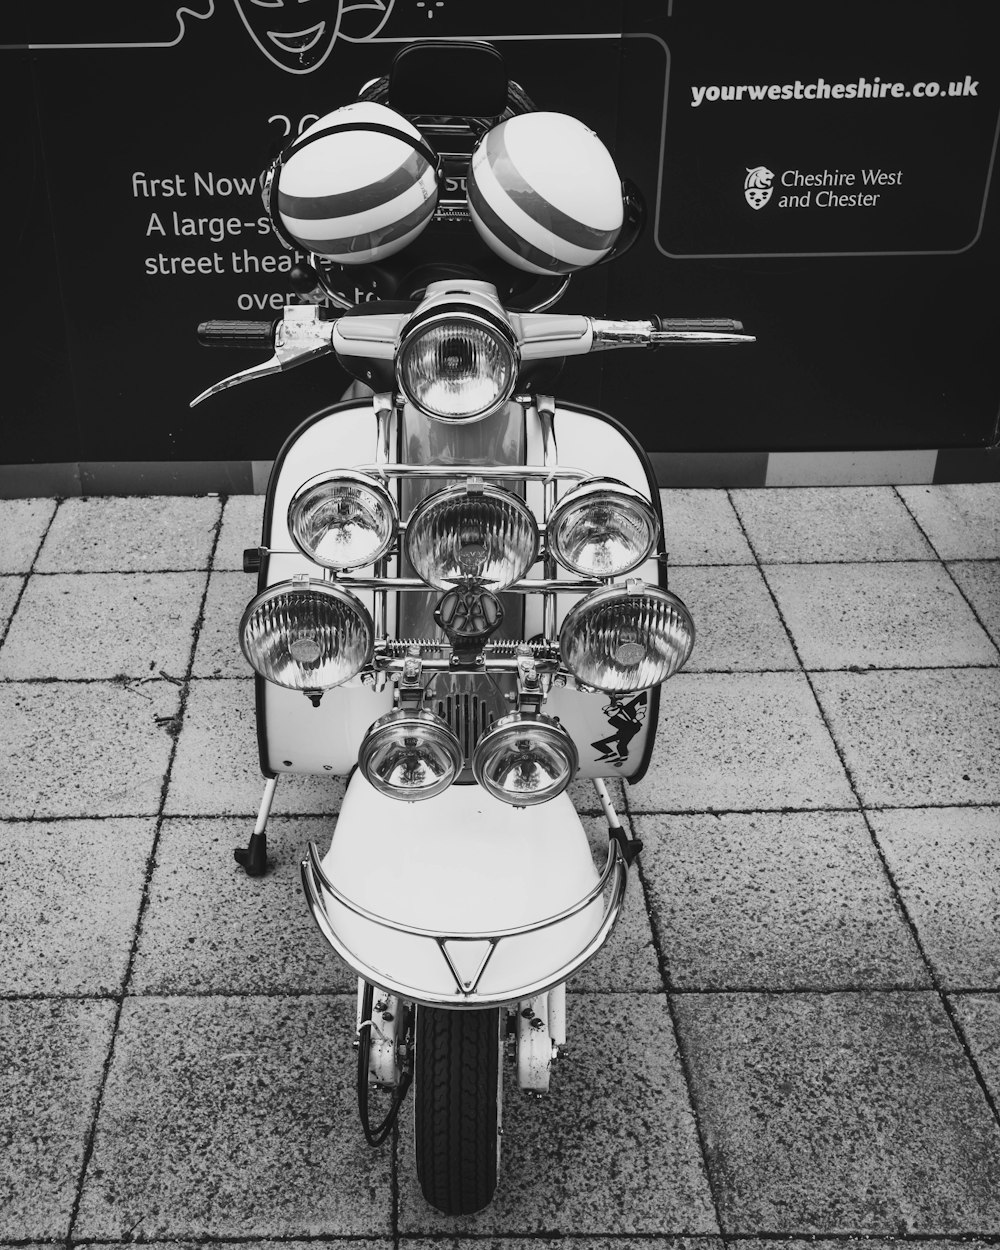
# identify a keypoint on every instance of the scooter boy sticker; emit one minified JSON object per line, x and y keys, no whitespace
{"x":757,"y":186}
{"x":626,"y":721}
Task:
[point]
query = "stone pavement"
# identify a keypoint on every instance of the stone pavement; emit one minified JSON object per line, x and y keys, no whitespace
{"x":795,"y":1033}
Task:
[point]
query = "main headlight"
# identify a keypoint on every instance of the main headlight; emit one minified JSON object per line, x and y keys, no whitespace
{"x":525,"y":760}
{"x":307,"y":635}
{"x":410,"y":755}
{"x":602,"y":528}
{"x":626,"y":638}
{"x":457,"y":368}
{"x":343,"y":520}
{"x":472,"y":530}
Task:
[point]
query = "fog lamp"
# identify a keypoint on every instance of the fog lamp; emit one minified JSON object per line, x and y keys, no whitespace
{"x":342,"y":520}
{"x":524,"y":759}
{"x":626,"y":638}
{"x":472,"y":530}
{"x":410,"y":755}
{"x":602,"y":528}
{"x":306,"y":635}
{"x":457,"y":368}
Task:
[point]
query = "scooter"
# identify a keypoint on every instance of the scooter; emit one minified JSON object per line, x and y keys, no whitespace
{"x":462,"y":597}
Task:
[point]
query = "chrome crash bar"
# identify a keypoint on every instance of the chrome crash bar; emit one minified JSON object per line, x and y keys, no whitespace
{"x":323,"y":896}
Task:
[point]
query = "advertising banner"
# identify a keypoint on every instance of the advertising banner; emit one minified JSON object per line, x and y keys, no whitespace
{"x":829,"y":182}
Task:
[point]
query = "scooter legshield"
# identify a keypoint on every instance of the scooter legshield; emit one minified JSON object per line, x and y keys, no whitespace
{"x":461,"y":900}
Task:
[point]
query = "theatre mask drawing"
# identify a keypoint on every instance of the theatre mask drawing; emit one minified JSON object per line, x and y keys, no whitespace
{"x":296,"y":36}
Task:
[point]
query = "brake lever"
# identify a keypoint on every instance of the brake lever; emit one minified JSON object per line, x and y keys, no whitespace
{"x":300,"y":336}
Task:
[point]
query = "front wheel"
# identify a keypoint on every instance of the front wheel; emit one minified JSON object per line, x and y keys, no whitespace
{"x":456,"y":1112}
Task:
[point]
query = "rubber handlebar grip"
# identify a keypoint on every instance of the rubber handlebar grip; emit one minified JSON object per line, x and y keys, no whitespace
{"x":257,"y":335}
{"x":709,"y":325}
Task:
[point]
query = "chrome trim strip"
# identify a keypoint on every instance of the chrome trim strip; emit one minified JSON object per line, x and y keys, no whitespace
{"x":505,"y":472}
{"x":526,"y":586}
{"x":545,"y":406}
{"x":317,"y":887}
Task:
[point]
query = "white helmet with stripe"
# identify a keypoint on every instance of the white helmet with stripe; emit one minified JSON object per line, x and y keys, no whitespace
{"x":544,"y":193}
{"x":357,"y":185}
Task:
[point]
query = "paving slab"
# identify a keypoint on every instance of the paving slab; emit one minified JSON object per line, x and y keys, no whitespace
{"x":775,"y":901}
{"x":226,"y":1117}
{"x":584,"y":797}
{"x":628,"y":962}
{"x":866,"y":1243}
{"x":10,"y":588}
{"x":737,"y":626}
{"x":23,"y":523}
{"x":912,"y":737}
{"x":945,"y":862}
{"x":840,"y":1113}
{"x":70,"y":892}
{"x":52,"y":1056}
{"x":700,"y":527}
{"x":614,"y":1242}
{"x":979,"y":1018}
{"x":218,"y":652}
{"x":211,"y":929}
{"x":962,"y":520}
{"x":96,"y":748}
{"x":242,"y":518}
{"x":746,"y":741}
{"x":980,"y":582}
{"x":365,"y":1243}
{"x":827,"y":524}
{"x":613,"y":1150}
{"x":897,"y":615}
{"x":156,"y":533}
{"x":217,"y":769}
{"x":93,"y":625}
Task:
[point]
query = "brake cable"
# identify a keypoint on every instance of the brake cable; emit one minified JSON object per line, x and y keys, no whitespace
{"x":376,"y":1136}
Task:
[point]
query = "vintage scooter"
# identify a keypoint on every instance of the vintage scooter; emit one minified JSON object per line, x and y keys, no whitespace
{"x":462,"y":598}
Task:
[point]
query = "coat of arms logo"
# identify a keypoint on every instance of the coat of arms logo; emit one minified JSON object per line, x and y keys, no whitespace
{"x":757,"y":186}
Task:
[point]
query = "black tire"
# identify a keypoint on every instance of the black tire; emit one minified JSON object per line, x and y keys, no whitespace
{"x":456,"y":1107}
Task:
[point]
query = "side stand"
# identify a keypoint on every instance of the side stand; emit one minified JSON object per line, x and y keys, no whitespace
{"x":252,"y":858}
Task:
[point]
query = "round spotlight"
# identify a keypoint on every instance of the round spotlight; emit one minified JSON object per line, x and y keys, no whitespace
{"x":525,"y":760}
{"x":410,"y":755}
{"x":472,"y":530}
{"x":626,"y":638}
{"x":343,"y":520}
{"x":602,"y":528}
{"x":306,"y":635}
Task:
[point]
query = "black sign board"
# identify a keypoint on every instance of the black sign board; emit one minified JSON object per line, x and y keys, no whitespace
{"x":853,"y":231}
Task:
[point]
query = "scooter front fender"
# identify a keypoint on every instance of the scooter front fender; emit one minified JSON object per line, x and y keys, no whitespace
{"x":462,"y":901}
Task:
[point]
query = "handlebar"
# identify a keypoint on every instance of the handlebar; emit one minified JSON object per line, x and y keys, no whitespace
{"x":304,"y":334}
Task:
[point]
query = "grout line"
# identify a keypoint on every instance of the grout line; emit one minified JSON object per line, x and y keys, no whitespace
{"x":29,"y":574}
{"x":121,"y":996}
{"x":544,"y":1236}
{"x":945,"y":565}
{"x":680,"y":991}
{"x":715,"y":812}
{"x":665,"y":979}
{"x":762,"y":563}
{"x":397,"y":1236}
{"x":217,"y":678}
{"x":896,"y":892}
